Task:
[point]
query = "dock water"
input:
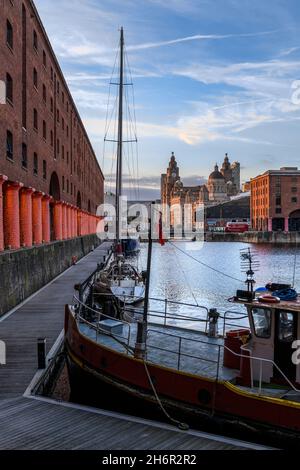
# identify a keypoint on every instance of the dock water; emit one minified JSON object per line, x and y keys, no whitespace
{"x":32,"y":422}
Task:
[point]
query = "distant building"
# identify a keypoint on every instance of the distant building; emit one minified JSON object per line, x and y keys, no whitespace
{"x":237,"y":209}
{"x":221,"y":185}
{"x":275,"y":200}
{"x":246,"y":187}
{"x":217,"y":186}
{"x":236,"y":175}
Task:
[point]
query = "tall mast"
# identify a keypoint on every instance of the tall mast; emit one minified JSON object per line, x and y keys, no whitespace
{"x":120,"y":140}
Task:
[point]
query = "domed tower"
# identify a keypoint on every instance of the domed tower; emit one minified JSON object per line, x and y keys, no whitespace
{"x":217,"y":186}
{"x":226,"y":169}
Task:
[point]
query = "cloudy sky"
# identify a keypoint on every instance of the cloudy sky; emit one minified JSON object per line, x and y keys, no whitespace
{"x":210,"y":76}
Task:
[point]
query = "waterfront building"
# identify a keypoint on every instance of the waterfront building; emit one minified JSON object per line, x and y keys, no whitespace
{"x":275,"y":200}
{"x":237,"y":209}
{"x":246,"y":187}
{"x":217,"y":186}
{"x":50,"y":173}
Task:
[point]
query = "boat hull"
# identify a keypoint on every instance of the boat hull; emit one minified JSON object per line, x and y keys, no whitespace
{"x":198,"y":400}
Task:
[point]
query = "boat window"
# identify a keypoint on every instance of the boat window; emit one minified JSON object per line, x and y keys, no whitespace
{"x":286,"y":327}
{"x":262,"y":322}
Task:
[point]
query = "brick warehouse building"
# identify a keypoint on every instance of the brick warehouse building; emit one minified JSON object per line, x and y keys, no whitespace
{"x":275,"y":200}
{"x":51,"y":171}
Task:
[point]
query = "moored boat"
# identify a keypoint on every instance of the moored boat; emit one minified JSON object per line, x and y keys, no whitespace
{"x":248,"y":379}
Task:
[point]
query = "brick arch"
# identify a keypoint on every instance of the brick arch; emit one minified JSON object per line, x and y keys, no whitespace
{"x":54,"y":189}
{"x":294,"y":221}
{"x":295,"y":214}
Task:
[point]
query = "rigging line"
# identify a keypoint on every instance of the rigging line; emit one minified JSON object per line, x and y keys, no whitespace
{"x":186,"y":279}
{"x":127,"y":156}
{"x":107,"y":110}
{"x":113,"y":151}
{"x":204,"y":264}
{"x":134,"y":122}
{"x":130,"y":155}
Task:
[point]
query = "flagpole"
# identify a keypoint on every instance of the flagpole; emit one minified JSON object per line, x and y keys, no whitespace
{"x":140,"y":347}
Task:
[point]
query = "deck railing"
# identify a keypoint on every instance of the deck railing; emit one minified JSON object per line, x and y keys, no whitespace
{"x":219,"y":348}
{"x":97,"y":326}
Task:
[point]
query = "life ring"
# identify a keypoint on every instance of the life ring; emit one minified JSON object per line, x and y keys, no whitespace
{"x":269,"y":299}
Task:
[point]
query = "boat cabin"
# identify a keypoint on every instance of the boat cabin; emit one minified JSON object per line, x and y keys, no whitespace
{"x":275,"y":328}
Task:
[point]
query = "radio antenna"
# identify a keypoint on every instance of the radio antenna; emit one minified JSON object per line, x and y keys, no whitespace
{"x":249,"y":265}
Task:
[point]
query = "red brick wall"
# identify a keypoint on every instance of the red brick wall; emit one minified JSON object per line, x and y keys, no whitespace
{"x":264,"y":189}
{"x":82,"y":170}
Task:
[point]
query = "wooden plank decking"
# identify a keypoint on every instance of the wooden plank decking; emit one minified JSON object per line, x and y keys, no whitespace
{"x":35,"y":425}
{"x":31,"y":423}
{"x":42,"y":316}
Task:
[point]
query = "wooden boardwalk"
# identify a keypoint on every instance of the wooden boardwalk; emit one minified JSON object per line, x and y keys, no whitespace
{"x":29,"y":424}
{"x":42,"y":316}
{"x":38,"y":423}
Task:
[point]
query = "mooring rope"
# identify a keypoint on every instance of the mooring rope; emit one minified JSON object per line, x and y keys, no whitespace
{"x":179,"y":424}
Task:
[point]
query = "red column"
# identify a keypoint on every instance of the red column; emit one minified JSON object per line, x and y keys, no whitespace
{"x":26,"y":216}
{"x":11,"y":212}
{"x":72,"y":221}
{"x":86,"y":223}
{"x":2,"y":180}
{"x":76,"y":222}
{"x":37,"y":227}
{"x":69,"y":221}
{"x":79,"y":222}
{"x":64,"y":221}
{"x":46,"y":218}
{"x":57,"y":220}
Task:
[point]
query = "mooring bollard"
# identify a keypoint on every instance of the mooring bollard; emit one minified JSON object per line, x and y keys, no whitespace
{"x":41,"y":347}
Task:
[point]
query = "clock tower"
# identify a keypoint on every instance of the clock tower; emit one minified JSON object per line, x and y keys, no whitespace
{"x":169,"y":179}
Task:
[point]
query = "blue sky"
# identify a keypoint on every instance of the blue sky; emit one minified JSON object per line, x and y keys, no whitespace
{"x":210,"y":76}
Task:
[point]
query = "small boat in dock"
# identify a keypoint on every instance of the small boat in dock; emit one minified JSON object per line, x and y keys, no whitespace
{"x":246,"y":379}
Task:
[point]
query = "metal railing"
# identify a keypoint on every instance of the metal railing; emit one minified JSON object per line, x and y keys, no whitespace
{"x":179,"y":353}
{"x":97,"y":326}
{"x":219,"y":348}
{"x":261,"y":362}
{"x":226,"y":323}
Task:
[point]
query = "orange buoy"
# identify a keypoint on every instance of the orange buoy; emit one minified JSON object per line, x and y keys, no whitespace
{"x":269,"y":299}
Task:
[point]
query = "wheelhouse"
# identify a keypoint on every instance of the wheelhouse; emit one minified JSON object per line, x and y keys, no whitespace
{"x":272,"y":344}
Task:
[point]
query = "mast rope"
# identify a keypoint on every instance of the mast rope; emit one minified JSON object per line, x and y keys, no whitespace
{"x":179,"y":424}
{"x":186,"y":279}
{"x":107,"y":119}
{"x":205,"y":265}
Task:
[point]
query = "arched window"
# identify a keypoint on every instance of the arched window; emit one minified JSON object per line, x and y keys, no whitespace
{"x":35,"y":164}
{"x":9,"y":88}
{"x":35,"y":78}
{"x":24,"y":155}
{"x":9,"y":34}
{"x":35,"y":119}
{"x":44,"y":93}
{"x":35,"y":40}
{"x":9,"y":145}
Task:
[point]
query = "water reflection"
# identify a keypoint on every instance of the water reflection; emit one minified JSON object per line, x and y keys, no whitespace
{"x":176,"y":277}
